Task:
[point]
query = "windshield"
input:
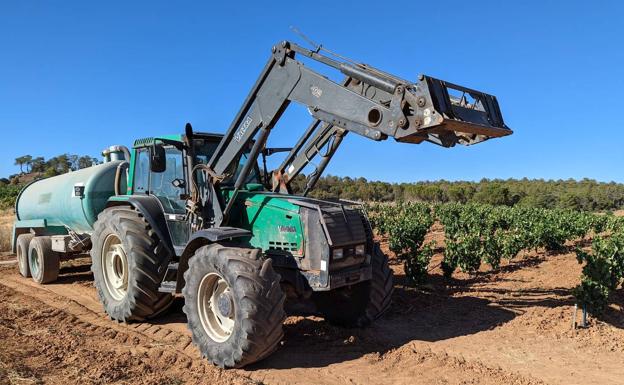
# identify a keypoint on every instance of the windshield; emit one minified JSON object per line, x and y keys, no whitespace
{"x":204,"y":149}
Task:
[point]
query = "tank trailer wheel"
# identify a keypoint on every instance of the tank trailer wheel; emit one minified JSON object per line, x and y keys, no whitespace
{"x":128,"y":261}
{"x":22,"y":243}
{"x":234,"y":305}
{"x":43,"y":262}
{"x":360,"y":304}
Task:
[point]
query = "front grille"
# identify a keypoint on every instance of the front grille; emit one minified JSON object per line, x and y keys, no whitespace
{"x":284,"y":246}
{"x":344,"y":227}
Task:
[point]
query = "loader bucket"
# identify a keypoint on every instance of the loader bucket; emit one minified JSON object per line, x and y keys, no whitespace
{"x":454,"y":114}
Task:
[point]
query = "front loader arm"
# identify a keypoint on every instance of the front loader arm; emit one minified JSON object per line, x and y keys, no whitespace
{"x":319,"y":136}
{"x":369,"y":102}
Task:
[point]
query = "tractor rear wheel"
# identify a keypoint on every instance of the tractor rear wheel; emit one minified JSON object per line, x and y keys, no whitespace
{"x":360,"y":304}
{"x":234,"y":305}
{"x":43,"y":262}
{"x":128,"y":261}
{"x":21,"y":248}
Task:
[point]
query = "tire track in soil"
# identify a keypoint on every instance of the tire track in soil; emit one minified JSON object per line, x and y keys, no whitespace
{"x":165,"y":347}
{"x":168,"y":341}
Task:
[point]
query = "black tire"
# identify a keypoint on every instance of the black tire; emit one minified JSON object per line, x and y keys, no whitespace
{"x":21,"y":248}
{"x":258,"y":303}
{"x":43,"y":262}
{"x":359,"y":305}
{"x":146,"y":260}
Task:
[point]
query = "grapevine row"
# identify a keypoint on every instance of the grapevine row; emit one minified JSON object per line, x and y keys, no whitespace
{"x":478,"y":233}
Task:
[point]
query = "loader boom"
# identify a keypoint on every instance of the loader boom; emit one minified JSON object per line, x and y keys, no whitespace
{"x":369,"y":102}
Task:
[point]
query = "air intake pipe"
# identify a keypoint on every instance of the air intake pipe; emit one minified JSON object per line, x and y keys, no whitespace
{"x":116,"y":152}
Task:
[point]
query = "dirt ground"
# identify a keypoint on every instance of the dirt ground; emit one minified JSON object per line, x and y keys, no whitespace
{"x":512,"y":326}
{"x":6,"y":226}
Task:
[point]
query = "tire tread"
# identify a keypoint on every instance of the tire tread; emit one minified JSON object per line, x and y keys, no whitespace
{"x":261,"y":301}
{"x":147,"y":252}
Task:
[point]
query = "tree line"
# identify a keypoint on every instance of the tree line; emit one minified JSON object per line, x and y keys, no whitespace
{"x":59,"y":164}
{"x":585,"y":194}
{"x":38,"y":167}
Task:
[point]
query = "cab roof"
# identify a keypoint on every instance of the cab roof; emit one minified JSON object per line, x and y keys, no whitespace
{"x":146,"y":142}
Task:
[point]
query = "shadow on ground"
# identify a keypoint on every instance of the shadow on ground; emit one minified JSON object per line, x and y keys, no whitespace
{"x":312,"y":342}
{"x":614,"y":314}
{"x":430,"y":315}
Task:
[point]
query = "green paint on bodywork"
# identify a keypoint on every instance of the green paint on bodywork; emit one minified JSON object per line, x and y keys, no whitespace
{"x":30,"y":223}
{"x":119,"y":198}
{"x":274,"y":221}
{"x":146,"y":142}
{"x":40,"y":226}
{"x":130,"y":182}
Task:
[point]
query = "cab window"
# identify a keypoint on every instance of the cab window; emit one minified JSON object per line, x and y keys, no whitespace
{"x":204,"y":150}
{"x":141,"y":171}
{"x":168,"y":186}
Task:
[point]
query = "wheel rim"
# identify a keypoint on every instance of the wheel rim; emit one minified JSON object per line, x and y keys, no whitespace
{"x":34,"y":262}
{"x":115,"y":265}
{"x":216,"y":307}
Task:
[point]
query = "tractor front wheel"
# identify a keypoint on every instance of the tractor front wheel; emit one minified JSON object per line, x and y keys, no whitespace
{"x":234,"y":305}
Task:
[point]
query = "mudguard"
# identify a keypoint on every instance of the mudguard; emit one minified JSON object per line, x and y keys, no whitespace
{"x":217,"y":234}
{"x":201,"y":238}
{"x":151,"y":209}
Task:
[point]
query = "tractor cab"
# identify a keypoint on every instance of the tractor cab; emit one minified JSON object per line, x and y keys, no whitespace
{"x":162,"y":167}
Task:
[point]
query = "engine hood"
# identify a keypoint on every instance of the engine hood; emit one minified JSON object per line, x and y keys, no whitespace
{"x":340,"y":220}
{"x":269,"y":200}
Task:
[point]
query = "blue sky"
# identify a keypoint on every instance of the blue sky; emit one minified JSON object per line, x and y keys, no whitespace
{"x":78,"y":76}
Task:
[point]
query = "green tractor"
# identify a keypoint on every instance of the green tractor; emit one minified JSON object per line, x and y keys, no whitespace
{"x":196,"y":216}
{"x":235,"y":278}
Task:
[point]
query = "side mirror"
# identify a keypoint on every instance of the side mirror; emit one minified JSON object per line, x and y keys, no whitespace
{"x":158,"y":158}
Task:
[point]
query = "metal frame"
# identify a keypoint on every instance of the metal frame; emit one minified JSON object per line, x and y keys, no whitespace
{"x":369,"y":102}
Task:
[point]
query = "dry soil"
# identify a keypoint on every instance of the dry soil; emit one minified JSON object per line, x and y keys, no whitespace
{"x":512,"y":326}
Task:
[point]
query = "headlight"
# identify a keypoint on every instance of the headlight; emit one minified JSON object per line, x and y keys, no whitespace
{"x":360,"y":250}
{"x":338,"y":253}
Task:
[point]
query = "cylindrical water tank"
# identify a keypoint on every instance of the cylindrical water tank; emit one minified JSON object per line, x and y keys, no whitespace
{"x":73,"y":200}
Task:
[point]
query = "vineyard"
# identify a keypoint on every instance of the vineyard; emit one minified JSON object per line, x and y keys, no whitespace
{"x":476,"y":234}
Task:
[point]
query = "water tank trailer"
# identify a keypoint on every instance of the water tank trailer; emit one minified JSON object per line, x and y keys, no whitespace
{"x":60,"y":212}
